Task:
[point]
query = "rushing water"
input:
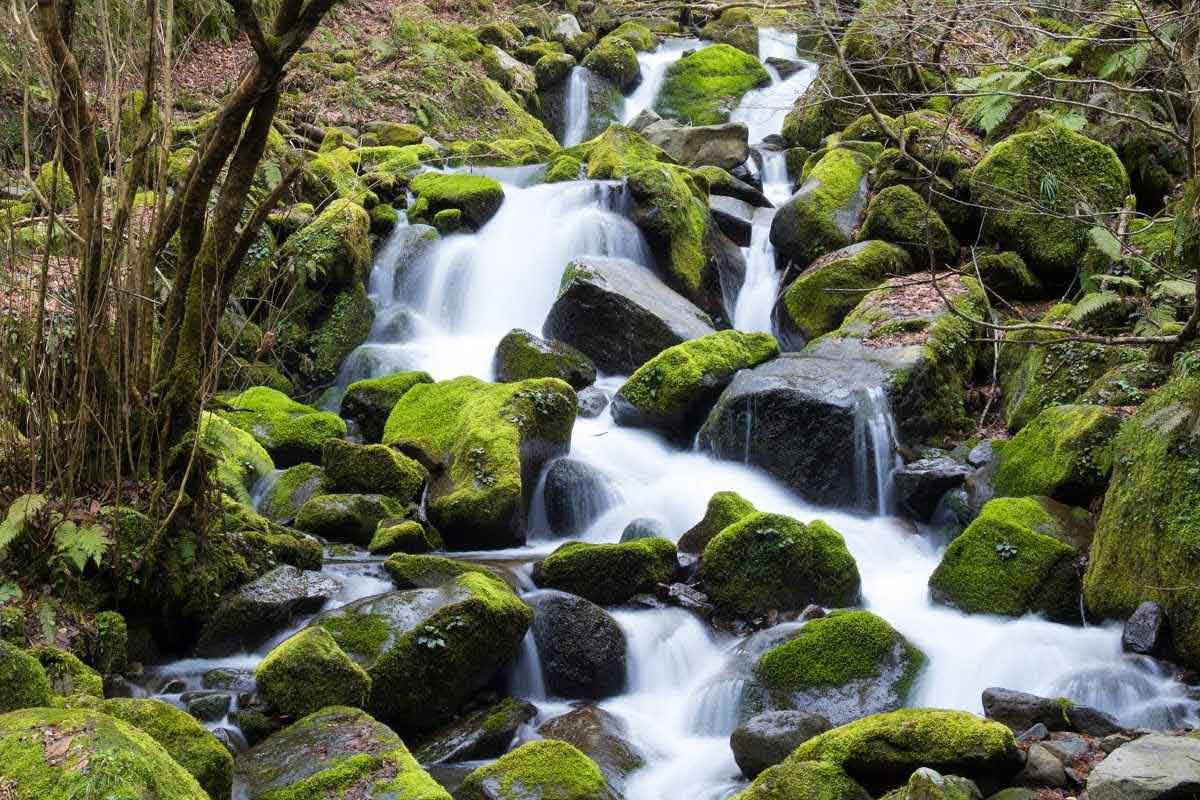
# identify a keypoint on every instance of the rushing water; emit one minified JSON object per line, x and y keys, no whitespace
{"x":654,"y":70}
{"x":576,"y":111}
{"x":443,"y":306}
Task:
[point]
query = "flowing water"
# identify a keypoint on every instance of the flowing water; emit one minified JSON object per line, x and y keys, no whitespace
{"x":576,"y":111}
{"x":654,"y":70}
{"x":457,"y":296}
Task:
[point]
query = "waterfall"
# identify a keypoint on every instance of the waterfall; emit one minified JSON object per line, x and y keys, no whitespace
{"x":874,"y":449}
{"x":756,"y":300}
{"x":654,"y":66}
{"x":575,"y":116}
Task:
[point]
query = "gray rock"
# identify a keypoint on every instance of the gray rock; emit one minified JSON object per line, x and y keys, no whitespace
{"x":1036,"y":733}
{"x":929,"y":784}
{"x":592,"y":402}
{"x":566,"y":27}
{"x":725,"y":146}
{"x":209,"y":707}
{"x":1021,"y":711}
{"x":575,"y":495}
{"x":1145,"y":631}
{"x":482,"y":734}
{"x":785,"y":66}
{"x":260,"y":609}
{"x":620,"y":314}
{"x":737,"y":188}
{"x":1068,"y":748}
{"x":767,"y":739}
{"x":735,"y":218}
{"x":598,"y":735}
{"x":645,"y":118}
{"x":582,"y":649}
{"x":603,"y":99}
{"x":1042,"y":770}
{"x":921,"y":484}
{"x":644,"y":528}
{"x":981,"y":454}
{"x":1155,"y":767}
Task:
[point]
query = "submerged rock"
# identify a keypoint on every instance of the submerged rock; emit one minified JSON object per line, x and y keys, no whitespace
{"x":580,"y":646}
{"x":769,"y":738}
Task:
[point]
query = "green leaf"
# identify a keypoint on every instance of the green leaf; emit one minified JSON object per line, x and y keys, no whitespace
{"x":10,"y":591}
{"x":1052,"y":64}
{"x":1106,"y":242}
{"x":18,"y":517}
{"x":81,"y":544}
{"x":1049,"y":187}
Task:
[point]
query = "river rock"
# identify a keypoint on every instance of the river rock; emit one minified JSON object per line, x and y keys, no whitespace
{"x":928,"y":784}
{"x":1042,"y":770}
{"x":1145,"y":631}
{"x":581,"y":647}
{"x":620,"y":314}
{"x":608,"y":574}
{"x":482,"y":734}
{"x":921,"y":484}
{"x":644,"y":528}
{"x":600,"y":736}
{"x":825,"y":211}
{"x":804,"y":780}
{"x":522,"y":355}
{"x":308,"y":671}
{"x":604,"y":98}
{"x":735,"y":218}
{"x":371,"y":469}
{"x":725,"y":146}
{"x":576,"y":494}
{"x":548,"y":769}
{"x":368,"y":402}
{"x":1021,"y":711}
{"x":1154,"y":767}
{"x":349,"y":518}
{"x":723,"y":509}
{"x":262,"y":608}
{"x":768,"y":739}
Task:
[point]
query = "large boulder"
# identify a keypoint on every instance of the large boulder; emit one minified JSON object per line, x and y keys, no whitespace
{"x":580,"y":646}
{"x":290,"y":431}
{"x":803,"y":780}
{"x":290,"y":490}
{"x":826,"y":210}
{"x":674,"y":390}
{"x":335,"y":246}
{"x":1154,"y":767}
{"x":476,"y":197}
{"x":614,"y":58}
{"x":723,"y":509}
{"x":620,"y":314}
{"x":23,"y":681}
{"x":736,"y":28}
{"x":428,"y":651}
{"x":68,"y":675}
{"x":522,"y":355}
{"x":484,"y":444}
{"x":335,"y":752}
{"x":704,"y":87}
{"x":257,"y":611}
{"x":420,"y":571}
{"x":725,"y":146}
{"x":371,"y":469}
{"x":608,"y":574}
{"x":770,"y":561}
{"x":1145,"y":538}
{"x":842,"y":666}
{"x":59,"y":754}
{"x":1015,"y":558}
{"x":368,"y":402}
{"x":1021,"y":711}
{"x":240,"y":461}
{"x":769,"y":738}
{"x":1062,"y":453}
{"x":548,"y":769}
{"x":576,"y":494}
{"x":881,"y":751}
{"x":898,"y":215}
{"x":349,"y":518}
{"x":307,"y":672}
{"x":486,"y":733}
{"x":598,"y":735}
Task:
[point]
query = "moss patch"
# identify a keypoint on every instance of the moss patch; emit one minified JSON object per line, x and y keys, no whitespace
{"x":307,"y":672}
{"x":723,"y":509}
{"x":803,"y":780}
{"x":898,"y":215}
{"x":371,"y":469}
{"x":409,"y":571}
{"x":23,"y":681}
{"x":68,"y":675}
{"x":292,"y":432}
{"x":368,"y":402}
{"x":608,"y":574}
{"x":553,"y":769}
{"x":1063,"y":453}
{"x":240,"y":460}
{"x":822,"y":214}
{"x":476,"y":196}
{"x":702,"y":88}
{"x":616,"y":59}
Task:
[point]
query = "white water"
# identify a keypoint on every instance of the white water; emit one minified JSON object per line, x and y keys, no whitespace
{"x":576,"y":112}
{"x":654,"y":70}
{"x":875,"y":456}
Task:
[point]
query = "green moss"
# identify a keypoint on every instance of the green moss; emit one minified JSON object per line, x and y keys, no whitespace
{"x":501,"y":33}
{"x":55,"y":185}
{"x":347,"y":517}
{"x":813,"y":225}
{"x":1007,"y":275}
{"x":240,"y":461}
{"x":638,"y":35}
{"x":403,"y":536}
{"x":735,"y":27}
{"x":110,"y":646}
{"x":67,"y":674}
{"x":824,"y":293}
{"x":476,"y":196}
{"x":291,"y":490}
{"x":617,"y":153}
{"x":608,"y":574}
{"x":368,"y":402}
{"x":292,"y":432}
{"x":394,"y":774}
{"x":803,"y":780}
{"x":371,"y":469}
{"x":1013,"y":178}
{"x":723,"y":509}
{"x":307,"y":672}
{"x":676,"y":220}
{"x":1062,"y":453}
{"x":1126,"y":384}
{"x":552,"y":68}
{"x":616,"y":59}
{"x":334,"y":247}
{"x":520,"y":355}
{"x":813,"y":117}
{"x":679,"y":384}
{"x":770,"y":561}
{"x":553,"y":769}
{"x":362,"y":635}
{"x":23,"y":681}
{"x":343,"y":327}
{"x":899,"y":215}
{"x":702,"y":88}
{"x":103,"y":757}
{"x":187,"y":741}
{"x":409,"y":571}
{"x":1007,"y":562}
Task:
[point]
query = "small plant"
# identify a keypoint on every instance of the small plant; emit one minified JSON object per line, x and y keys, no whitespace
{"x":1006,"y":551}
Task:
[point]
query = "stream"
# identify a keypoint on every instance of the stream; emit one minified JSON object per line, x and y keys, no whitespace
{"x":442,"y":308}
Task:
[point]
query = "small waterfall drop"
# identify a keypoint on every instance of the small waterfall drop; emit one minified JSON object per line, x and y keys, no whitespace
{"x":875,"y":455}
{"x":575,"y":114}
{"x":654,"y":66}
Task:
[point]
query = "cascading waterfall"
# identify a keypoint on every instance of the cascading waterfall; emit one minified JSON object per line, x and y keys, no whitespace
{"x":575,"y":116}
{"x":875,"y":455}
{"x":654,"y":66}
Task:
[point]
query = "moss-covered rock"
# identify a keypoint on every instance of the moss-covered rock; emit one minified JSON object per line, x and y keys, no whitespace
{"x":294,"y":487}
{"x":23,"y":681}
{"x":674,"y":390}
{"x":1127,"y":384}
{"x":186,"y":740}
{"x":396,"y":134}
{"x":881,"y":751}
{"x":735,"y":27}
{"x":1007,"y":275}
{"x":240,"y":461}
{"x":101,"y":757}
{"x":521,"y":355}
{"x":371,"y":469}
{"x":403,"y":536}
{"x":841,"y":666}
{"x":703,"y":87}
{"x":898,"y":215}
{"x":428,"y":651}
{"x":616,"y":153}
{"x":67,"y":674}
{"x":616,"y":59}
{"x":333,"y":247}
{"x":337,"y":330}
{"x":485,"y":444}
{"x":409,"y":571}
{"x":552,"y":69}
{"x":290,"y":431}
{"x":803,"y":780}
{"x":547,"y":769}
{"x":368,"y":402}
{"x":486,"y":733}
{"x":476,"y":196}
{"x":637,"y":34}
{"x":824,"y":213}
{"x":54,"y":184}
{"x":608,"y":574}
{"x":1011,"y":560}
{"x":109,"y":651}
{"x":827,"y":290}
{"x":347,"y":517}
{"x":770,"y":561}
{"x":1146,"y":537}
{"x":1058,"y":169}
{"x":1063,"y":453}
{"x":723,"y":509}
{"x":307,"y":672}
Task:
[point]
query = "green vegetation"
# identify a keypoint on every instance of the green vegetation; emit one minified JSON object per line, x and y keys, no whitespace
{"x":1062,"y":453}
{"x":368,"y":402}
{"x":307,"y":672}
{"x":615,"y":58}
{"x":23,"y":681}
{"x":803,"y":780}
{"x":67,"y":674}
{"x":371,"y":469}
{"x":553,"y":769}
{"x":723,"y":509}
{"x":476,"y":196}
{"x":410,"y":571}
{"x":608,"y":574}
{"x":347,"y":517}
{"x":702,"y":88}
{"x":403,"y":536}
{"x":821,"y":215}
{"x":899,"y":215}
{"x":291,"y":432}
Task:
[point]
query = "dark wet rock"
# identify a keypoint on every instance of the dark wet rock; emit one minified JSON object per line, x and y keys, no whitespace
{"x":1155,"y":767}
{"x":735,"y":218}
{"x":1035,"y":733}
{"x":1145,"y":631}
{"x":767,"y":739}
{"x":685,"y":596}
{"x":826,"y":210}
{"x":238,"y":681}
{"x":786,"y":67}
{"x":208,"y":707}
{"x":643,"y":528}
{"x":592,"y":402}
{"x":522,"y":355}
{"x":921,"y":484}
{"x":581,"y":647}
{"x":486,"y":733}
{"x":598,"y":735}
{"x":1021,"y":711}
{"x":576,"y":494}
{"x":620,"y":314}
{"x":262,"y":608}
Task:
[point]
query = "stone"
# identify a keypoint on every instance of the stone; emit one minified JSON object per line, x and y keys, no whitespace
{"x":1021,"y":710}
{"x":576,"y":494}
{"x":825,"y":211}
{"x":735,"y":218}
{"x":643,"y":528}
{"x":921,"y":484}
{"x":209,"y":707}
{"x":483,"y":734}
{"x":725,"y":145}
{"x":1154,"y":767}
{"x":803,"y":780}
{"x":307,"y":672}
{"x":351,"y":518}
{"x":522,"y":355}
{"x":368,"y":402}
{"x":580,"y":645}
{"x":608,"y":574}
{"x":767,"y":739}
{"x":1042,"y":770}
{"x":592,"y":402}
{"x":371,"y":469}
{"x":1145,"y":631}
{"x":547,"y":769}
{"x":600,"y":736}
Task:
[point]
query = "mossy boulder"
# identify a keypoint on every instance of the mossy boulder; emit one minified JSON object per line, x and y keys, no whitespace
{"x":615,"y":58}
{"x":55,"y":185}
{"x":637,"y":34}
{"x":414,"y":571}
{"x":841,"y":666}
{"x":23,"y":680}
{"x":403,"y":536}
{"x":337,"y":329}
{"x":486,"y":733}
{"x":396,"y":134}
{"x":67,"y":674}
{"x":428,"y":651}
{"x":723,"y":509}
{"x":484,"y":444}
{"x":608,"y":574}
{"x":616,"y":153}
{"x":1146,"y":538}
{"x":1007,"y":274}
{"x":476,"y":196}
{"x":803,"y":780}
{"x":371,"y":469}
{"x":1012,"y":560}
{"x":928,"y":784}
{"x":825,"y":211}
{"x":821,"y":296}
{"x":240,"y":461}
{"x":899,"y":215}
{"x":1063,"y":453}
{"x":1063,"y":169}
{"x":674,"y":390}
{"x":294,"y":487}
{"x":703,"y":87}
{"x":547,"y":769}
{"x":347,"y":517}
{"x":334,"y":247}
{"x":521,"y":355}
{"x":188,"y":742}
{"x":307,"y":672}
{"x":290,"y":431}
{"x":771,"y":561}
{"x":552,"y":69}
{"x":368,"y":402}
{"x":881,"y":751}
{"x":109,"y":651}
{"x":735,"y":27}
{"x":98,"y":754}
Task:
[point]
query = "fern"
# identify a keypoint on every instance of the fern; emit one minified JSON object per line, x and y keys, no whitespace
{"x":1105,"y":241}
{"x":1049,"y":187}
{"x":80,"y":544}
{"x":1124,"y":64}
{"x":19,"y":514}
